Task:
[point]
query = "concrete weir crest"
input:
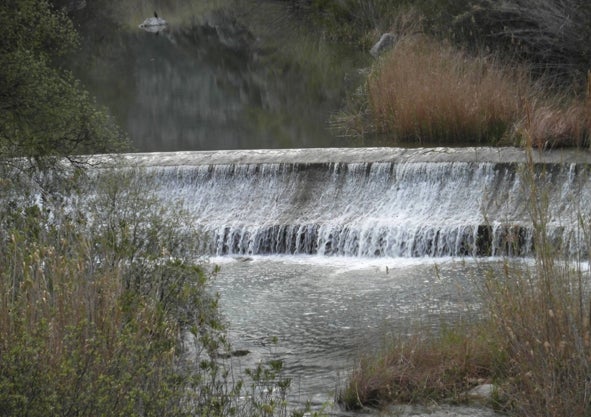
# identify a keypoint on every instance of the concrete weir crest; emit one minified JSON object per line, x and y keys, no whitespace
{"x":374,"y":202}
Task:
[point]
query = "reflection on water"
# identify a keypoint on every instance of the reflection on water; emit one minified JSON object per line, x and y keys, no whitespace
{"x":214,"y":85}
{"x":324,"y":313}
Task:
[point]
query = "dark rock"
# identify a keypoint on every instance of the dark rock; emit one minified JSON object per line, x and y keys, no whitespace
{"x":240,"y":352}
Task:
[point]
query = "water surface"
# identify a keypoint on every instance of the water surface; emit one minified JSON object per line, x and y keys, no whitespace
{"x":210,"y":82}
{"x":325,"y":312}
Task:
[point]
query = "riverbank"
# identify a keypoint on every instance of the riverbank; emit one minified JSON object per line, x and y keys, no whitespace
{"x":532,"y":341}
{"x":532,"y":345}
{"x":466,"y":72}
{"x":429,"y":89}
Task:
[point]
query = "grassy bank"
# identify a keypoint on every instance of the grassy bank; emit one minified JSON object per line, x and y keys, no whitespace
{"x":477,"y":74}
{"x":532,"y":340}
{"x":425,"y":368}
{"x":104,"y":312}
{"x":428,"y":91}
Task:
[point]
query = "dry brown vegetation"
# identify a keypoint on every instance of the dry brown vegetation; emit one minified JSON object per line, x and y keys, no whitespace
{"x":534,"y":344}
{"x":425,"y":90}
{"x":541,"y":314}
{"x":493,"y":84}
{"x":551,"y":124}
{"x":542,"y":318}
{"x":422,"y":369}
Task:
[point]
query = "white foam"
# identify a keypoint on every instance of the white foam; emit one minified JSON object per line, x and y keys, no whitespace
{"x":372,"y":210}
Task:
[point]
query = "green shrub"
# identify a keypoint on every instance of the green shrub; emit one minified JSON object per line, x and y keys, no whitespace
{"x":104,"y":310}
{"x":45,"y":111}
{"x":93,"y":305}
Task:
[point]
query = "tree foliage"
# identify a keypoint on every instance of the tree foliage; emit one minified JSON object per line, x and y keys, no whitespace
{"x":44,"y":111}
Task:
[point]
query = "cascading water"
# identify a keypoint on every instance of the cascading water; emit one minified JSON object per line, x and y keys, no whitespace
{"x":388,"y":203}
{"x":383,"y":226}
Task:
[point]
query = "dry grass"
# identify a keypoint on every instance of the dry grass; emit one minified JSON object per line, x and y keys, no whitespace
{"x":542,"y":319}
{"x":551,"y":124}
{"x":425,"y":90}
{"x":428,"y":91}
{"x":423,"y":369}
{"x":535,"y":345}
{"x":542,"y":316}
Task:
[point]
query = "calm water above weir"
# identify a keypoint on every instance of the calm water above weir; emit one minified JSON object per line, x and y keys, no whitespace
{"x":210,"y":81}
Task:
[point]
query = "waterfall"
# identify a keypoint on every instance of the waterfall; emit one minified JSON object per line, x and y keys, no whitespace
{"x":373,"y":202}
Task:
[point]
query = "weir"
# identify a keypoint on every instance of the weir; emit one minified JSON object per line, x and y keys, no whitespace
{"x":376,"y":202}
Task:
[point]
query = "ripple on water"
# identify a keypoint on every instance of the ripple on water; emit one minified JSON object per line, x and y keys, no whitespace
{"x":326,"y":312}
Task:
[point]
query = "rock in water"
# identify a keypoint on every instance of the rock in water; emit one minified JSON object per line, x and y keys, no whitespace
{"x":154,"y":24}
{"x":387,"y":41}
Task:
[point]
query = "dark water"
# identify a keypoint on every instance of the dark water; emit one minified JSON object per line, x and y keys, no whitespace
{"x":213,"y":84}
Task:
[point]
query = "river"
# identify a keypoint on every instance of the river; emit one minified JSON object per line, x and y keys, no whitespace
{"x":326,"y":312}
{"x":332,"y":250}
{"x":330,"y":256}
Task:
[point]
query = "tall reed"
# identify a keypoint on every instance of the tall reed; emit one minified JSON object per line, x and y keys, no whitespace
{"x":427,"y":367}
{"x":427,"y":91}
{"x":541,"y":313}
{"x":553,"y":122}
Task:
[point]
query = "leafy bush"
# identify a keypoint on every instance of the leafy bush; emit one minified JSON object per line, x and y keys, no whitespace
{"x":93,"y":306}
{"x":44,"y":110}
{"x":104,"y":310}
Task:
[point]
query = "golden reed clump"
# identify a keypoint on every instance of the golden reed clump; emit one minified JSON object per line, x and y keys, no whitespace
{"x":427,"y":91}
